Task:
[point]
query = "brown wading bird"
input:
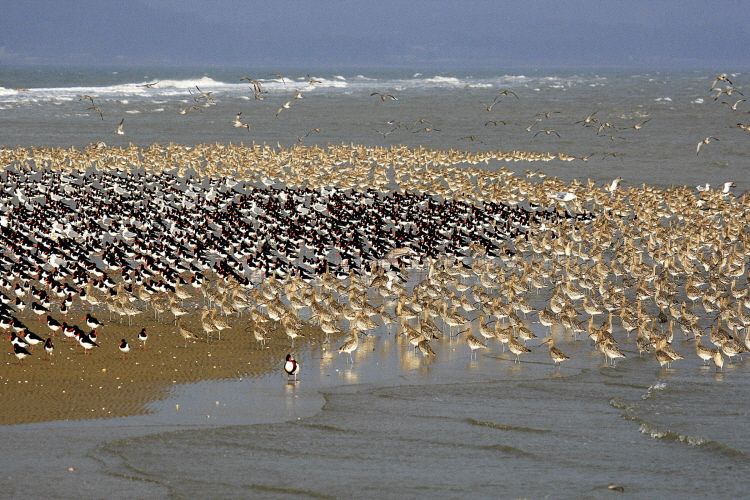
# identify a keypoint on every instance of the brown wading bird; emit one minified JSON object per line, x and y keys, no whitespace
{"x":556,"y":354}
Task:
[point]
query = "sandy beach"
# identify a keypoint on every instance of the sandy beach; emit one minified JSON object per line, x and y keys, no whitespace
{"x":73,"y":386}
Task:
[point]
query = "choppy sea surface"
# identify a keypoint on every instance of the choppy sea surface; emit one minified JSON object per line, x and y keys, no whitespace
{"x":392,"y":424}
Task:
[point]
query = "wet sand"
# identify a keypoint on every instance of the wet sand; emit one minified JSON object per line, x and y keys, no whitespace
{"x":74,"y":386}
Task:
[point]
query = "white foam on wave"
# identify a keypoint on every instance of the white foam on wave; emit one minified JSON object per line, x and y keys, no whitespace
{"x":660,"y":99}
{"x":698,"y":101}
{"x":204,"y":81}
{"x":444,"y":80}
{"x":133,"y":112}
{"x":324,"y":83}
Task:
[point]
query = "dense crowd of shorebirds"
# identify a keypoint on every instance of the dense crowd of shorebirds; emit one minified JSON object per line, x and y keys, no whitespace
{"x":273,"y":239}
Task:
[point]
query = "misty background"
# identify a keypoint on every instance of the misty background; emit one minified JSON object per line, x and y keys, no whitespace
{"x":398,"y":34}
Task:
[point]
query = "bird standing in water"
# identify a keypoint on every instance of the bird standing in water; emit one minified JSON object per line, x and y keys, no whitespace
{"x":291,"y":367}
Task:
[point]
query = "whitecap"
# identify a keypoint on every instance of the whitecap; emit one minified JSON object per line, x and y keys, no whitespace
{"x":189,"y":84}
{"x":451,"y":80}
{"x":132,"y":112}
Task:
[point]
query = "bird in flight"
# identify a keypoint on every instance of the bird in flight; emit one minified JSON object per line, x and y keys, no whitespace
{"x":494,"y":122}
{"x":548,"y":132}
{"x":204,"y":95}
{"x":284,"y":106}
{"x":704,"y":141}
{"x":255,"y":83}
{"x":184,"y":111}
{"x":119,"y":127}
{"x":720,"y":78}
{"x":728,"y":92}
{"x":383,"y":96}
{"x":506,"y":92}
{"x":86,"y":96}
{"x":148,"y":85}
{"x":589,"y":119}
{"x":312,"y":81}
{"x":546,"y":115}
{"x":238,"y":122}
{"x":733,"y":107}
{"x":96,"y":109}
{"x":528,"y":129}
{"x":279,"y":76}
{"x":489,"y":107}
{"x":385,"y":134}
{"x":299,"y":139}
{"x":637,"y":126}
{"x":472,"y":138}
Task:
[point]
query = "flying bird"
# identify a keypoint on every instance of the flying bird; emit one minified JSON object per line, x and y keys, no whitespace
{"x":204,"y":95}
{"x":733,"y":107}
{"x":284,"y":106}
{"x":528,"y":129}
{"x":704,"y":141}
{"x":637,"y":126}
{"x":383,"y":96}
{"x":589,"y":119}
{"x":506,"y":92}
{"x":720,"y":78}
{"x":148,"y":85}
{"x":119,"y":127}
{"x":728,"y":92}
{"x":489,"y":107}
{"x":546,"y":114}
{"x":86,"y":96}
{"x":238,"y":123}
{"x":184,"y":111}
{"x":96,"y":109}
{"x":548,"y":132}
{"x":279,"y":76}
{"x":299,"y":139}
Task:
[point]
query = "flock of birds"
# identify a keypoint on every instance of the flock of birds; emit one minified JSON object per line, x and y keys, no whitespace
{"x":316,"y":237}
{"x":603,"y":127}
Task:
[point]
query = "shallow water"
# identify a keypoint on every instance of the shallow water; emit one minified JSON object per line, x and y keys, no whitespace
{"x":394,"y":425}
